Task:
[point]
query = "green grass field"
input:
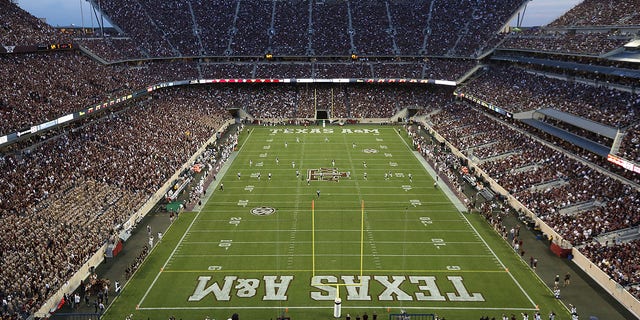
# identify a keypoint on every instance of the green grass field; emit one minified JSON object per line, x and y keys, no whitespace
{"x":381,"y":244}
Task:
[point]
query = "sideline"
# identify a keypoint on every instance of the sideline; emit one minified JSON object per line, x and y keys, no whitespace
{"x":221,"y":173}
{"x":442,"y":186}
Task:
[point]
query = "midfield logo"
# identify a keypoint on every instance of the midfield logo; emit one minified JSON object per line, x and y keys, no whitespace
{"x":323,"y":288}
{"x":326,"y":174}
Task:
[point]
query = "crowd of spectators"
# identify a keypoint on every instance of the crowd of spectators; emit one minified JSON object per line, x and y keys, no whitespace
{"x":520,"y":90}
{"x":227,"y":70}
{"x":601,"y":13}
{"x":275,"y":101}
{"x":133,"y":16}
{"x":148,"y":140}
{"x":576,"y":150}
{"x":578,"y":183}
{"x":283,"y":70}
{"x":617,"y":204}
{"x":620,"y":260}
{"x":47,"y":98}
{"x":210,"y":161}
{"x":18,"y":27}
{"x":561,"y":41}
{"x":593,"y":136}
{"x":445,"y":163}
{"x":437,"y":69}
{"x":213,"y":30}
{"x":614,"y":205}
{"x":329,"y":98}
{"x":251,"y":28}
{"x":373,"y":32}
{"x":33,"y":96}
{"x":131,"y":269}
{"x":474,"y":29}
{"x":575,"y":68}
{"x":113,"y":164}
{"x":356,"y":69}
{"x":311,"y":28}
{"x":383,"y":101}
{"x":330,"y":29}
{"x":630,"y":146}
{"x":463,"y":131}
{"x":282,"y":101}
{"x":599,"y":33}
{"x":288,"y":37}
{"x":440,"y":69}
{"x":501,"y":147}
{"x":377,"y":103}
{"x":579,"y":59}
{"x":532,"y":165}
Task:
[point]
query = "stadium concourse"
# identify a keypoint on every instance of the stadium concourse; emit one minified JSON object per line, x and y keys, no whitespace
{"x":69,"y":187}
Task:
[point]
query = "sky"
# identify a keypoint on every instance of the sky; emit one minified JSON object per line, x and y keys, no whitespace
{"x":68,"y":12}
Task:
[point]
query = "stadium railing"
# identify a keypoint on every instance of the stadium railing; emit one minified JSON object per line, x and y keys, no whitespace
{"x":75,"y":316}
{"x":412,"y":316}
{"x":616,"y":290}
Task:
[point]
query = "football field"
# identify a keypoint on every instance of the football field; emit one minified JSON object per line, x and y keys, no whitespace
{"x":304,"y":215}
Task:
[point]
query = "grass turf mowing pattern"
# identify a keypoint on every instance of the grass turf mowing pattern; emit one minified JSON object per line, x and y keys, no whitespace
{"x":419,"y":253}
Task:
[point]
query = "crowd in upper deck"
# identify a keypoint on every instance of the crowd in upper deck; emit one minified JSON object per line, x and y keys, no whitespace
{"x":592,"y":27}
{"x":312,"y":28}
{"x":515,"y":89}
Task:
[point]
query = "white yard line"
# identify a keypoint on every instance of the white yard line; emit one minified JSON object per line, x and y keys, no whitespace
{"x":318,"y":230}
{"x":301,"y":242}
{"x":294,"y":227}
{"x":335,"y":255}
{"x":346,"y":201}
{"x":325,"y":307}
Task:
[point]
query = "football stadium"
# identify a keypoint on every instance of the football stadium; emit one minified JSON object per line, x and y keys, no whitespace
{"x":321,"y":159}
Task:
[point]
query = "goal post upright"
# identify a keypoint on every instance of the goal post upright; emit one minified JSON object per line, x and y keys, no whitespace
{"x":361,"y":237}
{"x":313,"y":239}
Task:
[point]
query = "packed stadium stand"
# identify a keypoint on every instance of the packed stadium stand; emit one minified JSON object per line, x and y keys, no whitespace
{"x":591,"y":28}
{"x":311,"y":28}
{"x":20,"y":27}
{"x":522,"y":90}
{"x":101,"y":157}
{"x":590,"y":13}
